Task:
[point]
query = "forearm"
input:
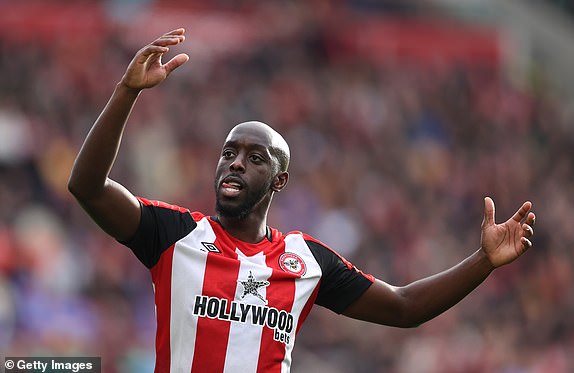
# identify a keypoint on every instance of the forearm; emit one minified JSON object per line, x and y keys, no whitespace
{"x":420,"y":301}
{"x":97,"y":154}
{"x":431,"y":296}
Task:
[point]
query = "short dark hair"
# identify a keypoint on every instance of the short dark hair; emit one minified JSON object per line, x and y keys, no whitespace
{"x":282,"y":158}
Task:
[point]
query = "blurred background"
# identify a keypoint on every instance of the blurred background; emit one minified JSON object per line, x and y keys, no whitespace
{"x":401,"y":116}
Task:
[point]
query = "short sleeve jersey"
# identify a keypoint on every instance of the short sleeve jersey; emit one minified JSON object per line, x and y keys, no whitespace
{"x":224,"y":305}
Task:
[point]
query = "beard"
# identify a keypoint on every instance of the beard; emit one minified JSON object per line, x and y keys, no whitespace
{"x":243,"y":209}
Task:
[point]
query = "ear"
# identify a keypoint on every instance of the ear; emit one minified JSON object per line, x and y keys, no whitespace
{"x":279,"y":181}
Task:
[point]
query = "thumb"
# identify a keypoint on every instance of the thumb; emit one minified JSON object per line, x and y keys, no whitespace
{"x":488,"y":212}
{"x":176,"y":62}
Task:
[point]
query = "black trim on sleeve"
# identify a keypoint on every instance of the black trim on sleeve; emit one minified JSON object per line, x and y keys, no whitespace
{"x":159,"y":228}
{"x":340,"y":284}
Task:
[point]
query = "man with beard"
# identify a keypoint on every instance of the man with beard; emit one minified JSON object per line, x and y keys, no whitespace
{"x":230,"y":291}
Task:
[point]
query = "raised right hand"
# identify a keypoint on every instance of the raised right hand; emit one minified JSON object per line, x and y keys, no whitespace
{"x":146,"y":69}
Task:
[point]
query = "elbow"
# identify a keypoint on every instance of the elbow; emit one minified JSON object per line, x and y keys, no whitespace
{"x":74,"y":186}
{"x":79,"y":188}
{"x":411,"y":324}
{"x":74,"y":191}
{"x":410,"y":313}
{"x":408,"y":322}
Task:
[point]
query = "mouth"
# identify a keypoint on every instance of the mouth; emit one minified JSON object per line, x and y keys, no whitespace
{"x":231,"y":186}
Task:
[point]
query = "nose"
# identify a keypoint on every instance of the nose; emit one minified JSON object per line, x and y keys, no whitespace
{"x":238,"y":164}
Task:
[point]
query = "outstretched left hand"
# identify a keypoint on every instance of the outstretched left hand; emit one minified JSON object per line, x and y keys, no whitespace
{"x":503,"y":243}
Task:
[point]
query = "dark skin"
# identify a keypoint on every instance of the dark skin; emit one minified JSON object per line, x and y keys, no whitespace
{"x":248,"y":174}
{"x":248,"y":158}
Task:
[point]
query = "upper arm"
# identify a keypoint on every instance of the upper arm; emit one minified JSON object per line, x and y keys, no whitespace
{"x":114,"y":209}
{"x":341,"y":282}
{"x":381,"y":304}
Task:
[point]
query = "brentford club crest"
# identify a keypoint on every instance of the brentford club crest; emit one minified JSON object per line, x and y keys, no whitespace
{"x":290,"y":262}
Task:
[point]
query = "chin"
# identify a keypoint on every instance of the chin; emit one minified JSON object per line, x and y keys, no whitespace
{"x":232,"y":211}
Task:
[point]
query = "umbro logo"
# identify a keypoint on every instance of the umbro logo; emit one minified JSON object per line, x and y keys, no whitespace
{"x":210,"y":247}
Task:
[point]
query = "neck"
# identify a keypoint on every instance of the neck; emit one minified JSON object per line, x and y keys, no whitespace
{"x":249,"y":229}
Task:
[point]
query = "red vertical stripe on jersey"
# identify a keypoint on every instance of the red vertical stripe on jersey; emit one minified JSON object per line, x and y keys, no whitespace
{"x":219,"y":281}
{"x":280,"y":295}
{"x":161,"y":277}
{"x":308,"y":307}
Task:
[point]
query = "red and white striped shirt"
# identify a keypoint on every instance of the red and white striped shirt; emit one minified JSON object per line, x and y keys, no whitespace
{"x":224,"y":305}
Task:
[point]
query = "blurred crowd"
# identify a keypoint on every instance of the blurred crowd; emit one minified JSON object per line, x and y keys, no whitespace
{"x":391,"y":160}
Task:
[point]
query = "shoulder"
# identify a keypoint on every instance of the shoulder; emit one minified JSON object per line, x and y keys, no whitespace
{"x":318,"y":246}
{"x":161,"y":204}
{"x":170,"y":208}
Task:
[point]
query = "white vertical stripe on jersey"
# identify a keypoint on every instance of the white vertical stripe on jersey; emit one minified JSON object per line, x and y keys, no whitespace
{"x":243,"y":357}
{"x":304,"y":287}
{"x":188,"y":269}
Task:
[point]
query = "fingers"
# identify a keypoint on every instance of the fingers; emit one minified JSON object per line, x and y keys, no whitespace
{"x":488,"y":212}
{"x":528,"y":231}
{"x":160,"y":45}
{"x":531,"y":219}
{"x":526,"y":244}
{"x":171,"y":38}
{"x":177,"y":31}
{"x":527,"y":226}
{"x":522,"y":211}
{"x":148,"y":50}
{"x":146,"y":69}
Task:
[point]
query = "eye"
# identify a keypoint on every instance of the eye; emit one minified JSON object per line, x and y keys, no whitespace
{"x":227,"y":154}
{"x":256,"y":158}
